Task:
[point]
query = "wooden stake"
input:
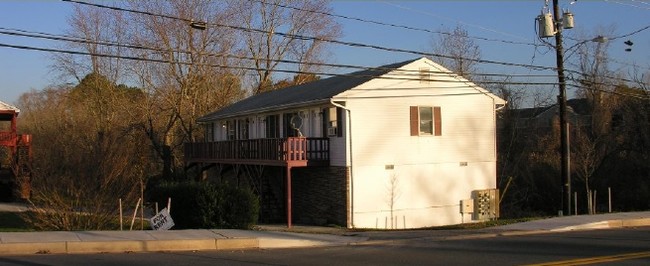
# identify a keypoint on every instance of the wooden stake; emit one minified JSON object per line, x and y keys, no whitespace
{"x":121,"y":223}
{"x":609,"y":198}
{"x":135,"y":213}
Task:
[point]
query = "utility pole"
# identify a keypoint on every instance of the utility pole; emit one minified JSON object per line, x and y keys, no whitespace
{"x":562,"y":98}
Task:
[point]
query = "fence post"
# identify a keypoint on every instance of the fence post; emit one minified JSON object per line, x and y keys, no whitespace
{"x":575,"y":203}
{"x":121,"y":224}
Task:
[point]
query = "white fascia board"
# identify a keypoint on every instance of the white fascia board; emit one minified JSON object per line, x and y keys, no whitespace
{"x":269,"y":109}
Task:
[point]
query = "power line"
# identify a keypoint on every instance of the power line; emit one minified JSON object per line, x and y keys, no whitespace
{"x":302,"y":37}
{"x":631,"y":95}
{"x":467,"y":83}
{"x":387,"y":24}
{"x":460,"y":22}
{"x":48,"y":36}
{"x":51,"y":50}
{"x":628,"y":4}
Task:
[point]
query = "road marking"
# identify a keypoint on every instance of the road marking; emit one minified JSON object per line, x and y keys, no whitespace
{"x":593,"y":260}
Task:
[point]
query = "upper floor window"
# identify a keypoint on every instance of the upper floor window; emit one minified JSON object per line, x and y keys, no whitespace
{"x":425,"y":120}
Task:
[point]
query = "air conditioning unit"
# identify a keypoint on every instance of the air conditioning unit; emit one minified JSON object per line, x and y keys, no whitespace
{"x":331,"y":131}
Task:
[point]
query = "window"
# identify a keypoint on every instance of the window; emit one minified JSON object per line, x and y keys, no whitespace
{"x":242,"y":128}
{"x":273,"y":126}
{"x":425,"y":120}
{"x":230,"y":130}
{"x":332,"y":122}
{"x":209,"y":132}
{"x":290,"y":128}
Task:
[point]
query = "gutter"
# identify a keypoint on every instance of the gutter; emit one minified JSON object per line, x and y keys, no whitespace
{"x":263,"y":110}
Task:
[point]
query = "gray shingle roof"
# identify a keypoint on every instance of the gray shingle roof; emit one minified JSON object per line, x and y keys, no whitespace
{"x":320,"y":90}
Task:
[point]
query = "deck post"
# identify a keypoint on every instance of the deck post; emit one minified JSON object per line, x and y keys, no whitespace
{"x":288,"y":196}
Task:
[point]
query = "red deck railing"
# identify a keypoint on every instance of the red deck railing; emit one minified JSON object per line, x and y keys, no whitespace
{"x":8,"y":138}
{"x":267,"y":151}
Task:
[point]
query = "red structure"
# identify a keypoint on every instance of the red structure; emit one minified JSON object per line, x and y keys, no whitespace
{"x":285,"y":152}
{"x":15,"y":155}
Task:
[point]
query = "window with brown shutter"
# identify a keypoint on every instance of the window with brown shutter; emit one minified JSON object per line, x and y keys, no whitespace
{"x":425,"y":120}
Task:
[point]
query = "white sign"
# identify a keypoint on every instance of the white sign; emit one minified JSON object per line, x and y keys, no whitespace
{"x":162,"y":220}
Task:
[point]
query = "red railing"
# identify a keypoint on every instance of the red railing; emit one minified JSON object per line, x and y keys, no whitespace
{"x":8,"y":138}
{"x":270,"y":150}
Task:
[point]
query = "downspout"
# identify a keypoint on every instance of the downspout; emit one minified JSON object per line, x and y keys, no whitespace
{"x":496,"y":143}
{"x":351,"y":176}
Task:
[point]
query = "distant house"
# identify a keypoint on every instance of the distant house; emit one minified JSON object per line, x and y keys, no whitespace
{"x":15,"y":157}
{"x":541,"y":120}
{"x":405,"y":145}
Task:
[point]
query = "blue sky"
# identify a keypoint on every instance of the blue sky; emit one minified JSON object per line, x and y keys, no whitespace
{"x":511,"y":21}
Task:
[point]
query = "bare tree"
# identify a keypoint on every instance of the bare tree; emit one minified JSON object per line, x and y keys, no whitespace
{"x":90,"y":26}
{"x":266,"y":18}
{"x":196,"y":79}
{"x":458,"y":51}
{"x":393,"y":195}
{"x":593,"y":140}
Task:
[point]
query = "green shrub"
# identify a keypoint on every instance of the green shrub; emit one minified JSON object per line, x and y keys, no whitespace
{"x":206,"y":205}
{"x":240,"y":207}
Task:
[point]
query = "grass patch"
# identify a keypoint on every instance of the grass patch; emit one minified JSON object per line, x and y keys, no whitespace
{"x":13,"y":222}
{"x":486,"y":224}
{"x":468,"y":226}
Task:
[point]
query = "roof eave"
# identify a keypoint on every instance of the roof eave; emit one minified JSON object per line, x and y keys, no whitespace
{"x":264,"y":110}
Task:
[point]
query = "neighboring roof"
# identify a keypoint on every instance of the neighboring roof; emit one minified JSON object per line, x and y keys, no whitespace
{"x":8,"y":107}
{"x":529,"y":112}
{"x":579,"y":106}
{"x":319,"y":90}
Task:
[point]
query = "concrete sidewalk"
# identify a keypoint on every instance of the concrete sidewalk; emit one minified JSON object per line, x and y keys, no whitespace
{"x":151,"y":241}
{"x":280,"y":237}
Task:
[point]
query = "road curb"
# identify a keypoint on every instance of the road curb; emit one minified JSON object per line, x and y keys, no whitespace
{"x":629,"y":222}
{"x":80,"y":247}
{"x":33,"y":248}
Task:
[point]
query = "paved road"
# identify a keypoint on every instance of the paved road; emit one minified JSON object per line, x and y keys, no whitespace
{"x":622,"y":246}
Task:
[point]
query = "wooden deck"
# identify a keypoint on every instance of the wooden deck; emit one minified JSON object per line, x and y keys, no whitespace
{"x":292,"y":152}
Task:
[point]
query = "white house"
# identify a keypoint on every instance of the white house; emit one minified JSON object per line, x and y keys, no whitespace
{"x":405,"y":145}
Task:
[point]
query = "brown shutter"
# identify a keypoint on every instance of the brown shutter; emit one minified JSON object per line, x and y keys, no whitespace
{"x":437,"y":122}
{"x":415,"y":123}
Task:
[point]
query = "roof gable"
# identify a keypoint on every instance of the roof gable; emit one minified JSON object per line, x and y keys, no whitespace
{"x":315,"y":91}
{"x":321,"y":91}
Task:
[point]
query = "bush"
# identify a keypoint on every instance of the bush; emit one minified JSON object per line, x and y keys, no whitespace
{"x":240,"y":207}
{"x":206,"y":205}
